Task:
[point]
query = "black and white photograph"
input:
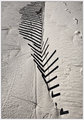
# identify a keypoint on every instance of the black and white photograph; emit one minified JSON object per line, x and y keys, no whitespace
{"x":42,"y":59}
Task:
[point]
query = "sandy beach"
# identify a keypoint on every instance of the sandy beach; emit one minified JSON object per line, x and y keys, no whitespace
{"x":24,"y":94}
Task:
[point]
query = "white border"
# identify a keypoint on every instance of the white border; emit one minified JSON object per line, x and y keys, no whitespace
{"x":42,"y":0}
{"x":0,"y":53}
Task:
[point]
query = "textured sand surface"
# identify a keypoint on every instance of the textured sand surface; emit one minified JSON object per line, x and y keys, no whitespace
{"x":24,"y":93}
{"x":65,"y":35}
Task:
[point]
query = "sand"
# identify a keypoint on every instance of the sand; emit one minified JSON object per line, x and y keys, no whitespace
{"x":24,"y":93}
